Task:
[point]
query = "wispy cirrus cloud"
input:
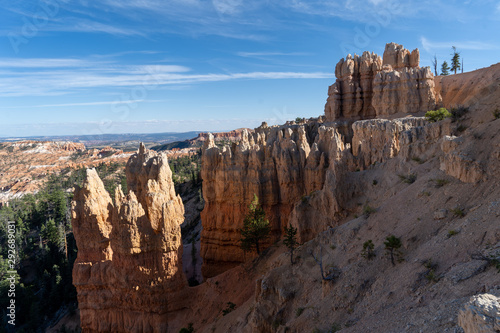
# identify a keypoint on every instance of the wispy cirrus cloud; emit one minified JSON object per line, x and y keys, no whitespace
{"x":230,"y":7}
{"x":100,"y":103}
{"x":272,"y":54}
{"x":38,"y":77}
{"x":97,"y":27}
{"x":429,"y":46}
{"x":45,"y":63}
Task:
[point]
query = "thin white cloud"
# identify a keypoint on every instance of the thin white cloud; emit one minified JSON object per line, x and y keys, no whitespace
{"x":44,"y":63}
{"x":59,"y":66}
{"x":97,"y":27}
{"x":271,"y":54}
{"x":228,"y":7}
{"x":460,"y":45}
{"x":354,"y":10}
{"x":124,"y":53}
{"x":98,"y":103}
{"x":66,"y":81}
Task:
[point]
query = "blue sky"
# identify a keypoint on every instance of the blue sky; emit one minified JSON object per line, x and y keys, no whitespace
{"x":119,"y":66}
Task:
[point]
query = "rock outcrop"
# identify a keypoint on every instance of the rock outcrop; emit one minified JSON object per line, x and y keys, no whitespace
{"x":129,"y":248}
{"x":303,"y":175}
{"x":481,"y":314}
{"x":457,"y":164}
{"x":278,"y":164}
{"x":234,"y":135}
{"x":368,"y":86}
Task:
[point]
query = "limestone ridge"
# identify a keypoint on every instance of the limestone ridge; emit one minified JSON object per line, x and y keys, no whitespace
{"x":130,"y":248}
{"x":368,"y":86}
{"x":303,"y":175}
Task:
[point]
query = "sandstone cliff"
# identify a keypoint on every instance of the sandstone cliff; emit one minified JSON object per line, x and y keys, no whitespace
{"x":130,"y":250}
{"x":303,"y":174}
{"x":368,"y":86}
{"x":278,"y":164}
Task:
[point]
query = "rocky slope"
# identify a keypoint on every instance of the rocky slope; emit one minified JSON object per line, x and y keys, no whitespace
{"x":129,"y":256}
{"x":282,"y":164}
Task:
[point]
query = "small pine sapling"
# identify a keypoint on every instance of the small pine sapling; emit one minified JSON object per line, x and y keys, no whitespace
{"x":392,"y":245}
{"x":290,"y":240}
{"x":256,"y":227}
{"x":368,"y":250}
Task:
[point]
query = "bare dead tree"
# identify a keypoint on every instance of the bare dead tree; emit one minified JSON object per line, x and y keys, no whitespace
{"x":319,"y":260}
{"x":435,"y":65}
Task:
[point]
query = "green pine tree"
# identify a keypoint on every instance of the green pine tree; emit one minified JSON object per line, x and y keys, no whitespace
{"x":392,"y":245}
{"x":455,"y":60}
{"x":290,"y":240}
{"x":53,"y":234}
{"x":445,"y":69}
{"x":256,"y":227}
{"x":368,"y":250}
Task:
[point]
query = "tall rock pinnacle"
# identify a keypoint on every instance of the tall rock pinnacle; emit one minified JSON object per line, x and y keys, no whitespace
{"x":130,"y":248}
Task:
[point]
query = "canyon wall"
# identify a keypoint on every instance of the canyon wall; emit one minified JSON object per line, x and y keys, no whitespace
{"x":129,"y":249}
{"x":368,"y":86}
{"x":303,"y":174}
{"x":278,"y":164}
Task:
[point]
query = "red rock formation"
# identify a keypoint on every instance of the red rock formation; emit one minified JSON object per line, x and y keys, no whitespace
{"x":234,"y":135}
{"x":368,"y":86}
{"x":278,"y":164}
{"x":350,"y":96}
{"x":25,"y":165}
{"x":129,"y":248}
{"x":303,"y":175}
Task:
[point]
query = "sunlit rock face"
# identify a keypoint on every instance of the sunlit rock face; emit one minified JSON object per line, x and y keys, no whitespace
{"x":129,"y":248}
{"x":369,"y":86}
{"x":297,"y":171}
